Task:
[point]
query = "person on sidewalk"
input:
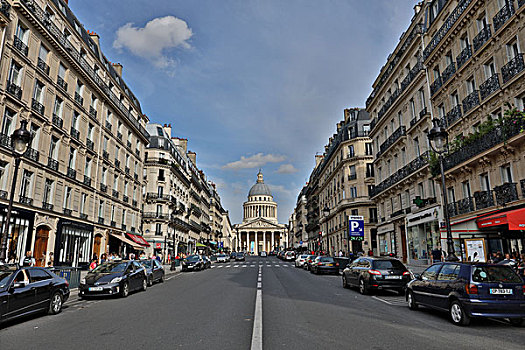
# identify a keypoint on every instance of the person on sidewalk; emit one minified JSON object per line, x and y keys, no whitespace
{"x":436,"y":255}
{"x":29,"y":260}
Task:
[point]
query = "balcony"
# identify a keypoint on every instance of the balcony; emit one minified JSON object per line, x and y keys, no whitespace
{"x":47,"y":206}
{"x":108,"y":125}
{"x":137,"y":153}
{"x":32,"y":154}
{"x":436,"y":85}
{"x":105,"y":155}
{"x":115,"y":194}
{"x":503,"y":15}
{"x":42,"y":65}
{"x":352,"y":177}
{"x":90,"y":144}
{"x":482,"y":37}
{"x":71,"y":173}
{"x":490,"y":86}
{"x":4,"y":8}
{"x":119,"y":136}
{"x":92,"y":112}
{"x":465,"y":205}
{"x":128,"y":143}
{"x":79,"y":99}
{"x":103,"y":188}
{"x":448,"y":72}
{"x":83,"y":216}
{"x":20,"y":46}
{"x":37,"y":106}
{"x":125,"y":198}
{"x":101,"y":221}
{"x":14,"y":90}
{"x":26,"y":200}
{"x":126,"y":170}
{"x":453,"y":115}
{"x":471,"y":101}
{"x":68,"y":211}
{"x":75,"y":133}
{"x":464,"y":56}
{"x":113,"y":224}
{"x":134,"y":203}
{"x":152,"y":196}
{"x":52,"y":164}
{"x":484,"y":199}
{"x":136,"y":177}
{"x":57,"y":121}
{"x":155,"y":215}
{"x":506,"y":193}
{"x":396,"y":135}
{"x":512,"y":68}
{"x":62,"y":83}
{"x":87,"y":180}
{"x":123,"y":227}
{"x":452,"y":209}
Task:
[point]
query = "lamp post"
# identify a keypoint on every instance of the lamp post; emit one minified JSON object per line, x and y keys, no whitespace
{"x":20,"y":142}
{"x":438,"y":137}
{"x":326,"y":212}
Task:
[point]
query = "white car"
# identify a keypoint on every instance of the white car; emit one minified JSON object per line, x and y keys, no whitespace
{"x":289,"y":256}
{"x":300,"y":261}
{"x":222,"y":258}
{"x":264,"y":254}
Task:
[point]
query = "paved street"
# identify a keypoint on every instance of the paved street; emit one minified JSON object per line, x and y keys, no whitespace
{"x":214,"y":309}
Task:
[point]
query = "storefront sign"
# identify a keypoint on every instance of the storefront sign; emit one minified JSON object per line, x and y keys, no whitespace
{"x":476,"y":249}
{"x":422,"y":217}
{"x":356,"y":228}
{"x":381,"y":230}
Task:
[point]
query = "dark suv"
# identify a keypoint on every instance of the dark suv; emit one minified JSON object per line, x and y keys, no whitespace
{"x":372,"y":273}
{"x":466,"y":290}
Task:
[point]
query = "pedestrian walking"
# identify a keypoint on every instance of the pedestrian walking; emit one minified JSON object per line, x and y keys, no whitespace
{"x":93,"y":264}
{"x":436,"y":254}
{"x":29,"y":260}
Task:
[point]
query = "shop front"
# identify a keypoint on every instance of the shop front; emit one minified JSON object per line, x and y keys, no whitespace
{"x":423,"y":235}
{"x":510,"y":228}
{"x":20,"y":230}
{"x":73,"y":243}
{"x":387,"y":239}
{"x":122,"y":246}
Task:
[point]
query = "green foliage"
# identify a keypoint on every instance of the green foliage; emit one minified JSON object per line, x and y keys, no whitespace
{"x":433,"y":162}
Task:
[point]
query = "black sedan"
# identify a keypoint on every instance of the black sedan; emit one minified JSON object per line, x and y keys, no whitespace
{"x":240,"y":256}
{"x":154,"y":270}
{"x":324,"y":264}
{"x":193,"y":263}
{"x":28,"y":290}
{"x":372,"y":273}
{"x":114,"y":278}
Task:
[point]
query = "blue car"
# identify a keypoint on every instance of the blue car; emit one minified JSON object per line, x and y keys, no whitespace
{"x":467,"y":290}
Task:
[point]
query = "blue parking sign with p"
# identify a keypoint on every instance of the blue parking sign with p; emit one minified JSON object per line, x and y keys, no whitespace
{"x":356,"y":228}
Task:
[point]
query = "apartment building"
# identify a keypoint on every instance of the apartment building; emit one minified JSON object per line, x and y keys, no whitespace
{"x":474,"y":54}
{"x":88,"y":139}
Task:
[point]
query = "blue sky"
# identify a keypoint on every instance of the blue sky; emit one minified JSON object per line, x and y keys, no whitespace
{"x":251,"y":84}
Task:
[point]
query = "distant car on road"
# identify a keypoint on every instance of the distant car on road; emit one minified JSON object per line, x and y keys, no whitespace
{"x":273,"y":253}
{"x":27,"y":290}
{"x":193,"y":263}
{"x":154,"y":270}
{"x":289,"y":256}
{"x":301,"y":259}
{"x":467,"y":290}
{"x":324,"y":264}
{"x":308,"y":262}
{"x":374,"y":273}
{"x":240,"y":257}
{"x":113,"y":278}
{"x":222,"y":258}
{"x":232,"y":256}
{"x":263,"y":254}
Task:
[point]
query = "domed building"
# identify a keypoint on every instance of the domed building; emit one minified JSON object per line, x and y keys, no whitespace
{"x":260,"y":229}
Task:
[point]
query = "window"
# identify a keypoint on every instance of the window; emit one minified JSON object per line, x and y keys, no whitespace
{"x":466,"y":189}
{"x":15,"y":74}
{"x":9,"y":122}
{"x":449,"y":272}
{"x":506,"y":173}
{"x":159,"y":210}
{"x":489,"y":68}
{"x":352,"y":171}
{"x":481,"y":23}
{"x":431,"y":273}
{"x":105,"y":144}
{"x":38,"y":93}
{"x":441,"y":111}
{"x":104,"y":175}
{"x":125,"y":188}
{"x":112,"y":212}
{"x":158,"y":229}
{"x":25,"y":190}
{"x":368,"y":149}
{"x":412,"y":109}
{"x":416,"y":146}
{"x":161,"y":175}
{"x":48,"y":191}
{"x":431,"y":188}
{"x":422,"y":102}
{"x":454,"y":99}
{"x":43,"y":53}
{"x":22,"y":33}
{"x":471,"y":85}
{"x":403,"y":156}
{"x":74,"y":120}
{"x":448,"y":58}
{"x":513,"y":49}
{"x":355,"y":212}
{"x":59,"y":107}
{"x":369,"y":170}
{"x":90,"y":132}
{"x":72,"y":158}
{"x":67,"y":197}
{"x":115,"y":182}
{"x":421,"y":190}
{"x":160,"y":190}
{"x":484,"y":182}
{"x":4,"y":171}
{"x":53,"y":147}
{"x":62,"y":71}
{"x":353,"y":192}
{"x":83,"y":203}
{"x":451,"y":195}
{"x":101,"y":209}
{"x":38,"y":275}
{"x":464,"y":42}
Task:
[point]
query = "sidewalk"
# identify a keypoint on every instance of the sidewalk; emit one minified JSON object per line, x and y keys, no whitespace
{"x":416,"y":268}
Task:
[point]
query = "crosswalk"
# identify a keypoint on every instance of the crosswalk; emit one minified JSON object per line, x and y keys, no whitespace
{"x":250,"y":265}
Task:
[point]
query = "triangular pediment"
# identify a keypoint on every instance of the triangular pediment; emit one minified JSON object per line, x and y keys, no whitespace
{"x":259,"y":223}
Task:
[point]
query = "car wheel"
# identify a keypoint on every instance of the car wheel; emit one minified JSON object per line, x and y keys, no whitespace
{"x":144,"y":284}
{"x":150,"y":281}
{"x":124,"y":292}
{"x":517,"y":322}
{"x":345,"y":282}
{"x":458,"y":315}
{"x":363,"y":289}
{"x":55,"y":305}
{"x":412,"y":305}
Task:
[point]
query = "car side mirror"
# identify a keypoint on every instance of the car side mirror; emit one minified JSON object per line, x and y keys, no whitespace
{"x":18,"y":285}
{"x":417,"y":276}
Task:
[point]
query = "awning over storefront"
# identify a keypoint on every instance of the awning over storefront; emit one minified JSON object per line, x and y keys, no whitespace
{"x":514,"y":218}
{"x":127,"y":241}
{"x":138,"y":239}
{"x":200,"y":245}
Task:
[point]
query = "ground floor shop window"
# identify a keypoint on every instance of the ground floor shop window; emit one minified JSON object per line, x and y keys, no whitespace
{"x":422,"y":239}
{"x":75,"y":246}
{"x":19,"y":241}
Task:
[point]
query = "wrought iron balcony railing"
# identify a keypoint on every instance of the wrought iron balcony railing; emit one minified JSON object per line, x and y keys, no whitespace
{"x":68,"y":211}
{"x":14,"y":90}
{"x":52,"y":163}
{"x":117,"y":163}
{"x":20,"y":46}
{"x":37,"y":106}
{"x":119,"y":136}
{"x":115,"y":193}
{"x":503,"y":15}
{"x":452,"y":209}
{"x":32,"y":154}
{"x":87,"y":180}
{"x":90,"y":144}
{"x":448,"y":72}
{"x":436,"y":85}
{"x":453,"y":115}
{"x":101,"y":221}
{"x":464,"y":56}
{"x":92,"y":111}
{"x":103,"y":188}
{"x":57,"y":121}
{"x":42,"y":65}
{"x":4,"y":8}
{"x":71,"y":173}
{"x":47,"y":206}
{"x":512,"y":68}
{"x":134,"y":203}
{"x":482,"y":37}
{"x":506,"y":193}
{"x":352,"y":176}
{"x":489,"y":86}
{"x":396,"y":135}
{"x":83,"y":216}
{"x":484,"y":199}
{"x":79,"y":99}
{"x":108,"y":125}
{"x":465,"y":205}
{"x":75,"y":133}
{"x":26,"y":200}
{"x":125,"y":198}
{"x":471,"y":101}
{"x":61,"y":83}
{"x":105,"y":155}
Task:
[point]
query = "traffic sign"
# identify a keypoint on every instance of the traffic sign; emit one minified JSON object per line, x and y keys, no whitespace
{"x":356,"y":228}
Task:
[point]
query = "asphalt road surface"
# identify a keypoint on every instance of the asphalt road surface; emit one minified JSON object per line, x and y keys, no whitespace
{"x":263,"y":303}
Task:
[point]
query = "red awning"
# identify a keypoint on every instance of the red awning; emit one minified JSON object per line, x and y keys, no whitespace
{"x":138,"y":239}
{"x":514,"y":218}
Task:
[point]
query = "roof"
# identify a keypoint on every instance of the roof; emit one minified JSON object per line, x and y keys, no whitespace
{"x":260,"y":188}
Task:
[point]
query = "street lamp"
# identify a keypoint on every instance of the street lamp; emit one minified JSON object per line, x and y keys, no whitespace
{"x":438,"y":137}
{"x":326,"y":212}
{"x":20,"y":142}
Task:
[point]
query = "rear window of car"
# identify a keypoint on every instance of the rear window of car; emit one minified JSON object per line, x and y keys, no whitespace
{"x":304,"y":256}
{"x":387,"y":264}
{"x":495,"y":274}
{"x":327,"y":259}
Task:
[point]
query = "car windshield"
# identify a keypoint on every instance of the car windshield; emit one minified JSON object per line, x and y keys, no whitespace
{"x":146,"y":263}
{"x":495,"y":274}
{"x":193,"y":258}
{"x":327,"y":259}
{"x":304,"y":256}
{"x":388,"y":264}
{"x":111,"y":267}
{"x":4,"y":276}
{"x":222,"y":255}
{"x":240,"y":254}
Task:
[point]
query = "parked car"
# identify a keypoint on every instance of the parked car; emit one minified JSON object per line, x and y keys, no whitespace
{"x":193,"y":263}
{"x":240,"y":257}
{"x":301,"y":259}
{"x":289,"y":256}
{"x":324,"y":264}
{"x":113,"y":278}
{"x":232,"y":256}
{"x":27,"y":290}
{"x":207,"y":262}
{"x":280,"y":255}
{"x":154,"y":270}
{"x":263,"y":254}
{"x":222,"y":258}
{"x":467,"y":290}
{"x":273,"y":253}
{"x":308,"y":262}
{"x":373,"y":273}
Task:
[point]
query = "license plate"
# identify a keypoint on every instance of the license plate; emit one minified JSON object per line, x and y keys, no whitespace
{"x":393,"y":277}
{"x":95,"y":289}
{"x":500,"y":291}
{"x":330,"y":264}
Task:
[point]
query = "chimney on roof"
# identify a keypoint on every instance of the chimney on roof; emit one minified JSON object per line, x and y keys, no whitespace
{"x":318,"y":159}
{"x":118,"y":68}
{"x":193,"y":157}
{"x":94,"y":36}
{"x":167,"y":129}
{"x":182,"y":143}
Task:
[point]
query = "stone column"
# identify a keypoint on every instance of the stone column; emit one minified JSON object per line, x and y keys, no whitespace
{"x":264,"y":242}
{"x":273,"y":240}
{"x":256,"y":243}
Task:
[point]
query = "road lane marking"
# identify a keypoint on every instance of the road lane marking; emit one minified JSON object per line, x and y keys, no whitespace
{"x":384,"y":301}
{"x":236,"y":266}
{"x":276,"y":266}
{"x":257,"y":333}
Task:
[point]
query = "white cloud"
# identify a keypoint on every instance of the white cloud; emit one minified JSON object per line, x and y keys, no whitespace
{"x":255,"y":161}
{"x":282,"y":190}
{"x":286,"y":169}
{"x":158,"y":35}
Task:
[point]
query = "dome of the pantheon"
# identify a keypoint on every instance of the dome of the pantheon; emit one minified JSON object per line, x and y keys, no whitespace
{"x":260,"y":188}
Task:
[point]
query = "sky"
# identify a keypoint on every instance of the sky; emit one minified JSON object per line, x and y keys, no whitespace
{"x":252,"y":84}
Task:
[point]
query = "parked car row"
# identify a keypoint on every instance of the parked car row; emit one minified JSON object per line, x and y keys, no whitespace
{"x":317,"y":264}
{"x":195,"y":263}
